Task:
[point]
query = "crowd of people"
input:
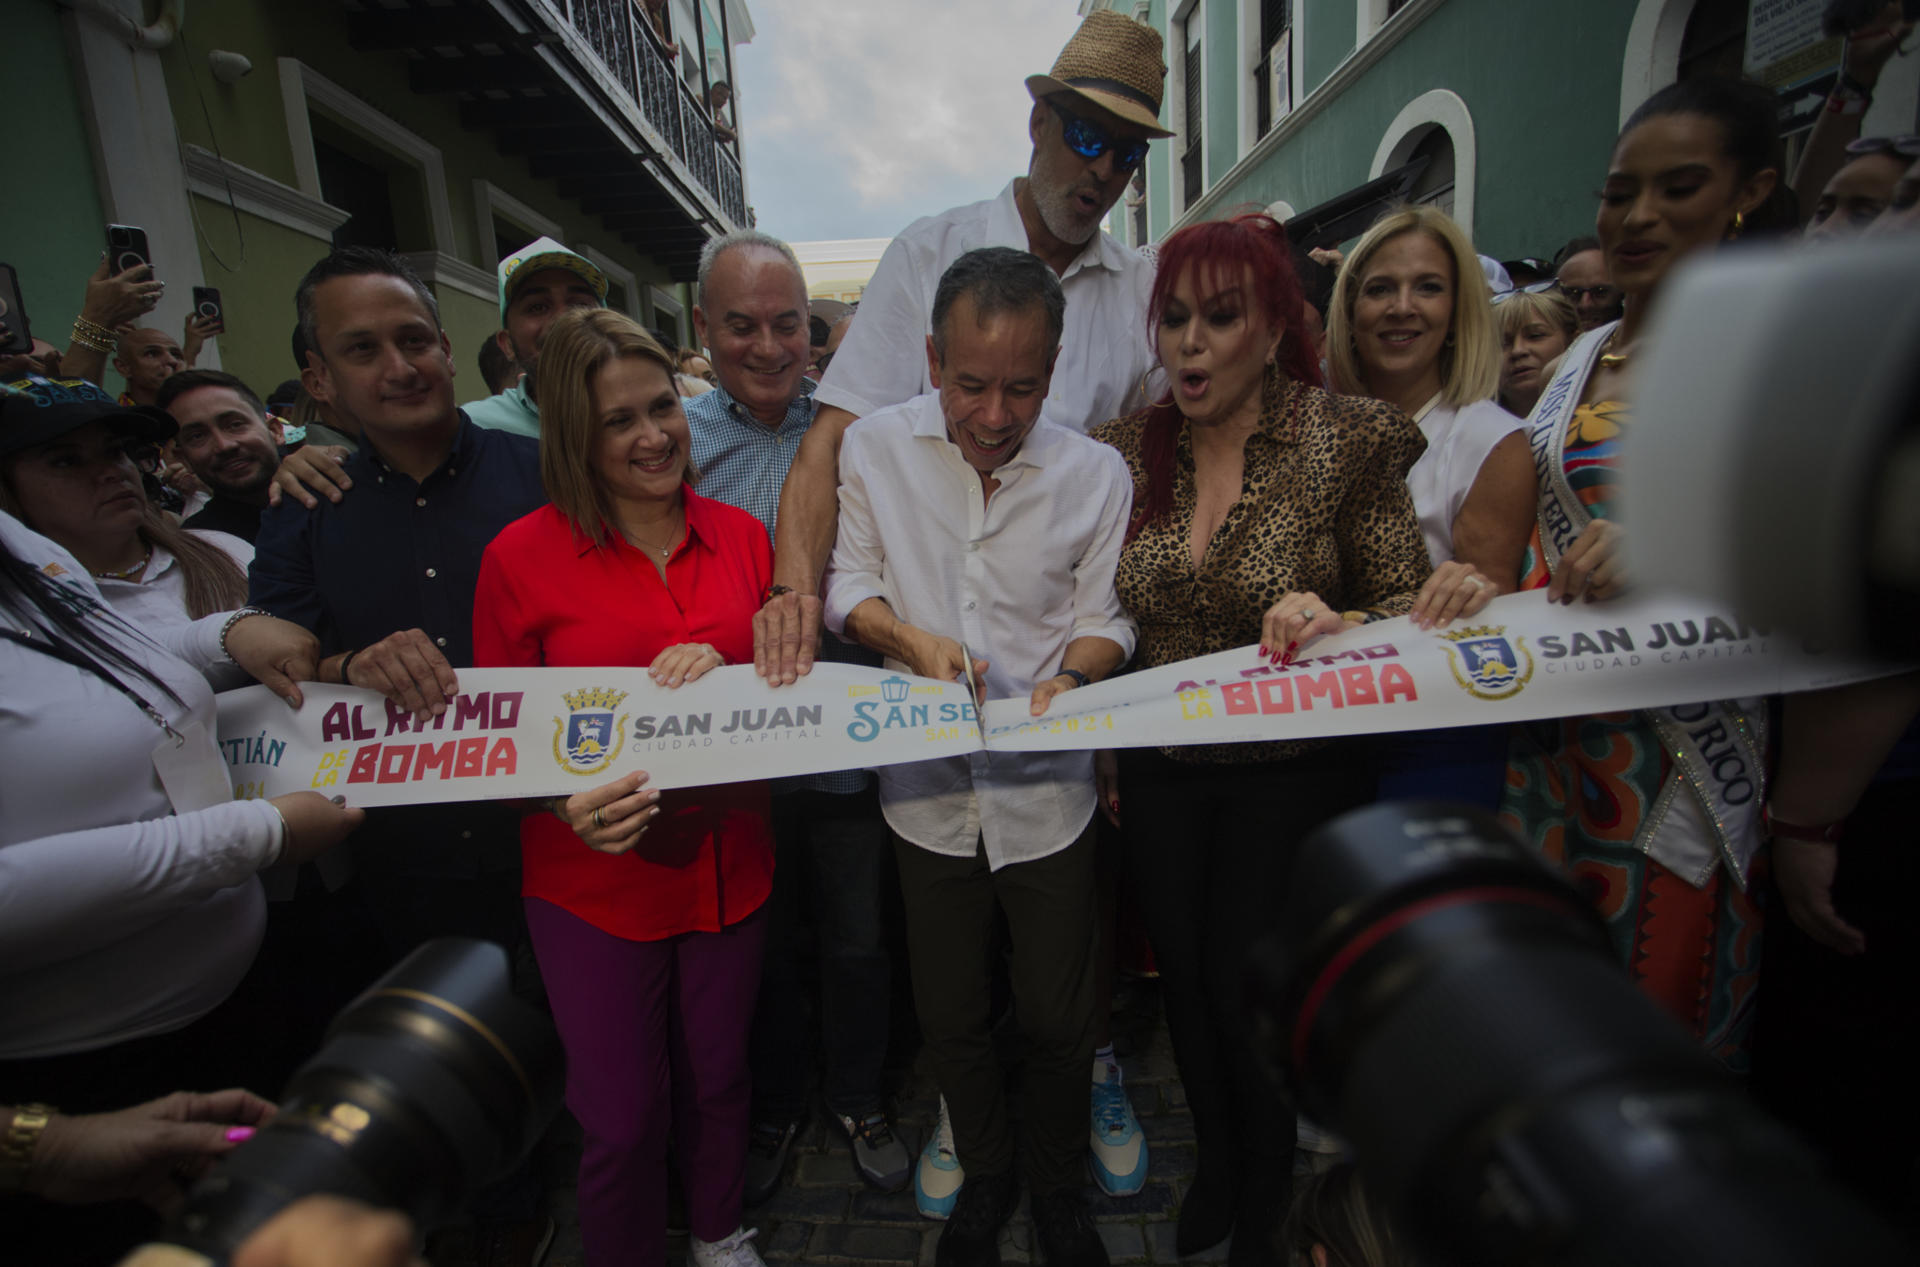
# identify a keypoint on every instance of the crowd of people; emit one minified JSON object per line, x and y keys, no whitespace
{"x":1032,"y":459}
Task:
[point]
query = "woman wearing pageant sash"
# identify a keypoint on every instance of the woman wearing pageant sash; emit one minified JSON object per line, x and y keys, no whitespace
{"x":644,"y":907}
{"x":1661,"y":837}
{"x":1264,"y":510}
{"x":1412,"y":324}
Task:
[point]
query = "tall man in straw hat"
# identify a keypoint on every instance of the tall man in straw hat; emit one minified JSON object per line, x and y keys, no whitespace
{"x":1092,"y":118}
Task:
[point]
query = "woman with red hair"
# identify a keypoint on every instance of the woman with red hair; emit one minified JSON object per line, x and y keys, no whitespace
{"x":1265,"y":510}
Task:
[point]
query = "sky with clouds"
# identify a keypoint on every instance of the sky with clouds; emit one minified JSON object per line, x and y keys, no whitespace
{"x":860,"y":116}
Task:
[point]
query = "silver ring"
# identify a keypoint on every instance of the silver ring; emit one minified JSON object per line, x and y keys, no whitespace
{"x":598,"y":819}
{"x":1476,"y":582}
{"x":1308,"y":614}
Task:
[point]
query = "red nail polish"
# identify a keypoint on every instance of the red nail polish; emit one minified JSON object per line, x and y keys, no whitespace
{"x":239,"y":1134}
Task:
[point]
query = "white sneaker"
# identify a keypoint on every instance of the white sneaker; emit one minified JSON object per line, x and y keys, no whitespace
{"x":1117,"y":1150}
{"x":937,"y":1179}
{"x":732,"y":1251}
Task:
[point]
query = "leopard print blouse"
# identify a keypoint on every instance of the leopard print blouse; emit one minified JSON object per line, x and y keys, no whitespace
{"x":1323,"y":508}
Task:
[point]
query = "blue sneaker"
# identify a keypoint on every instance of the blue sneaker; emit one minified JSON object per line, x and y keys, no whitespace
{"x":937,"y":1179}
{"x":1118,"y":1156}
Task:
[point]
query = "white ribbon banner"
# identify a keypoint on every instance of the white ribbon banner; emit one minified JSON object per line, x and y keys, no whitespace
{"x":549,"y":732}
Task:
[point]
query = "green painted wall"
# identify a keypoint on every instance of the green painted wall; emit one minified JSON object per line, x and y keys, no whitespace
{"x":258,"y":298}
{"x":1328,"y":27}
{"x":51,"y":226}
{"x":467,"y":321}
{"x":246,"y":122}
{"x":1542,"y":124}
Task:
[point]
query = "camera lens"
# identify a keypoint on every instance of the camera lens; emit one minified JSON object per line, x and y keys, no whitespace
{"x":432,"y":1083}
{"x":1456,"y":1011}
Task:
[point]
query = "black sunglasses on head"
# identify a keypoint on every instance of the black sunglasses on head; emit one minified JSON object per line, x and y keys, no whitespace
{"x":1089,"y":140}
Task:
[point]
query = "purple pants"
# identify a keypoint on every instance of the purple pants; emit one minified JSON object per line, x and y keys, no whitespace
{"x":656,"y":1039}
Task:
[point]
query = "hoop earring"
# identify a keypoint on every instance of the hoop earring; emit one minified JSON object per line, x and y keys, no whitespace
{"x":1739,"y":223}
{"x":1448,"y":341}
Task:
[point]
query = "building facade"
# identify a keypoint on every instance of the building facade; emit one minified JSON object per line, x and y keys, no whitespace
{"x":1507,"y":110}
{"x":840,"y":269}
{"x":247,"y":138}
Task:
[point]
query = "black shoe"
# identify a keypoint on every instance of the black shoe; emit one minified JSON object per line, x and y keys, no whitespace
{"x":971,"y":1237}
{"x":768,"y":1143}
{"x":1206,"y":1213}
{"x":1065,"y":1231}
{"x":880,"y":1157}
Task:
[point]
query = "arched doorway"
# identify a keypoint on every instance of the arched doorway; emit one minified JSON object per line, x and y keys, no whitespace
{"x":1435,"y":125}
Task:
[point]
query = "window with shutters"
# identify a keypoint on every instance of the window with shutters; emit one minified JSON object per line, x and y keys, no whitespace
{"x":1273,"y":77}
{"x":1193,"y":176}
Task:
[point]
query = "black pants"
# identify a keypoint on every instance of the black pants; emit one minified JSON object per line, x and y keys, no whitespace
{"x":1048,"y":904}
{"x":1828,"y":1055}
{"x":834,"y":868}
{"x":1210,"y":849}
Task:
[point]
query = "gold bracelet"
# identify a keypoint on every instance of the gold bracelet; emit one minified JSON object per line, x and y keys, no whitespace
{"x":96,"y":330}
{"x":87,"y":340}
{"x":16,"y":1147}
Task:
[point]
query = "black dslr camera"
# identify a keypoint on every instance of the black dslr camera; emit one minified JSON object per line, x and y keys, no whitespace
{"x":432,"y":1083}
{"x":1454,"y":1010}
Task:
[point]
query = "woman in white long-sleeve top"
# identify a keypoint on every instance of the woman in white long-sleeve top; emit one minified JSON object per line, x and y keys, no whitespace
{"x":129,"y":909}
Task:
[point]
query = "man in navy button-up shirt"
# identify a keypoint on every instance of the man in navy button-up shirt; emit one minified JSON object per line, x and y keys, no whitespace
{"x":385,"y":577}
{"x":397,"y":553}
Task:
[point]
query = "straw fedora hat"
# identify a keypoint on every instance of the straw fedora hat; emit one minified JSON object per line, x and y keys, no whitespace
{"x":1112,"y":62}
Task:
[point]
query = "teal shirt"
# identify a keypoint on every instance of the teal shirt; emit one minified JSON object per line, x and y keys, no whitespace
{"x":509,"y":411}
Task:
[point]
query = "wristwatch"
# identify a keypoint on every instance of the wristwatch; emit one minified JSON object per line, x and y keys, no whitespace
{"x":16,"y":1146}
{"x":1079,"y":678}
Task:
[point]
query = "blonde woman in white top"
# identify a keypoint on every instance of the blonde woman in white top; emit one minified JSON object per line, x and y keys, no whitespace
{"x":1412,"y":324}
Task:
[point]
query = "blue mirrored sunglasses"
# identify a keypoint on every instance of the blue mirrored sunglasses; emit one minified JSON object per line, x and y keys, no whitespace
{"x":1090,"y":141}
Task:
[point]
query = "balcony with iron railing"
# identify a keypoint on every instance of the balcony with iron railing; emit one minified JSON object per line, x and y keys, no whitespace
{"x":620,"y":37}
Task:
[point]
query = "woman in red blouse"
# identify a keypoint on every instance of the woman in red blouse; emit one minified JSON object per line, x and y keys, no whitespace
{"x":643,"y":905}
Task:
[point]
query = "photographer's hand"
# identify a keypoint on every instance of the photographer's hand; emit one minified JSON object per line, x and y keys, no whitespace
{"x":198,"y":330}
{"x":150,"y":1152}
{"x":1869,"y":49}
{"x":328,"y":1231}
{"x":113,"y":302}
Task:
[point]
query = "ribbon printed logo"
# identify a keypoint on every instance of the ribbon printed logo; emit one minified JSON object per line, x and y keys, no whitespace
{"x":588,"y":739}
{"x":1486,"y":663}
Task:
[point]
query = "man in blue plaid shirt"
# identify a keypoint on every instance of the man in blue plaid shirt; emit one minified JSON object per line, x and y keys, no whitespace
{"x":832,"y":844}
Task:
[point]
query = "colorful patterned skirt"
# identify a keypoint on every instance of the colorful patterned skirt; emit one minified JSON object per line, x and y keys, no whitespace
{"x":1578,"y":789}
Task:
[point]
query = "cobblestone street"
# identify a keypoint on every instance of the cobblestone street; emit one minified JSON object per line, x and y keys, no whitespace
{"x":822,"y":1213}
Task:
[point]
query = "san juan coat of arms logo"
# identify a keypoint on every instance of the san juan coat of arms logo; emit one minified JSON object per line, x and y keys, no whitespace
{"x":1487,"y":664}
{"x":588,"y":738}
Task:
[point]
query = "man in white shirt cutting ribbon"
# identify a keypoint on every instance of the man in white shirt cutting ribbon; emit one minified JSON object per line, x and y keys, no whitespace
{"x":978,"y":540}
